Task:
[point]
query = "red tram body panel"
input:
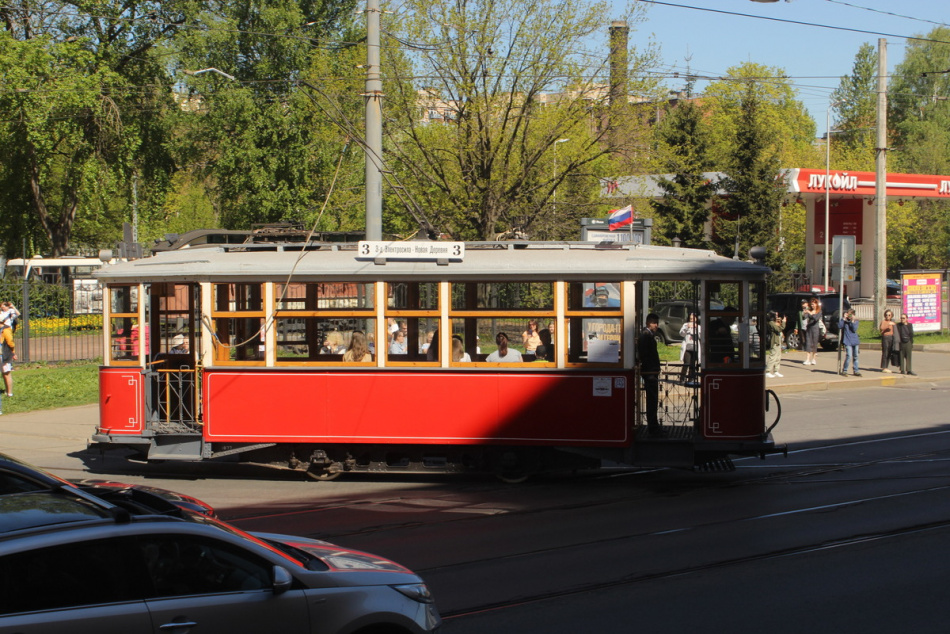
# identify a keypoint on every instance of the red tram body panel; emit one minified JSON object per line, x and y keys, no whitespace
{"x":121,"y":400}
{"x":412,"y":407}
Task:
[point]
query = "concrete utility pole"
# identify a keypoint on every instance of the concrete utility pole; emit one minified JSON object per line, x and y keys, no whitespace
{"x":374,"y":126}
{"x":880,"y":192}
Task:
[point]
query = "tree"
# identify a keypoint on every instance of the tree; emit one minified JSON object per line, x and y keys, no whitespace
{"x":494,"y":163}
{"x":265,"y":143}
{"x":791,"y":129}
{"x":754,"y":190}
{"x":684,"y":208}
{"x":919,"y":120}
{"x":86,"y":91}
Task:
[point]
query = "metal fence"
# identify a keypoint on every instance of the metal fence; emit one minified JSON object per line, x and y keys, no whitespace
{"x":58,"y":321}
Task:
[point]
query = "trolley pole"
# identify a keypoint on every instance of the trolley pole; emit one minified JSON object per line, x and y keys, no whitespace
{"x":374,"y":125}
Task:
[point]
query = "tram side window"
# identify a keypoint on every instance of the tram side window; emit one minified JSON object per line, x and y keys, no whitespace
{"x":239,"y":322}
{"x":594,"y":323}
{"x":723,"y":313}
{"x":757,"y":349}
{"x":482,"y":310}
{"x":172,"y":307}
{"x":316,"y":322}
{"x":412,"y":322}
{"x":125,"y":338}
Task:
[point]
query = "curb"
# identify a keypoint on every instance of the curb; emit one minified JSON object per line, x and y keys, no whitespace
{"x":831,"y":384}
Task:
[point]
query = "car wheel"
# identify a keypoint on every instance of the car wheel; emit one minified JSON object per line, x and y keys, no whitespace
{"x":792,"y":341}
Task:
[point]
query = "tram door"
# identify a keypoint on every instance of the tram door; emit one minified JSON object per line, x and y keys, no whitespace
{"x":733,"y":383}
{"x":172,"y":373}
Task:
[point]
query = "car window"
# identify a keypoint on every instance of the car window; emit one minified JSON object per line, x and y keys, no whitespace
{"x":79,"y":574}
{"x":182,"y":565}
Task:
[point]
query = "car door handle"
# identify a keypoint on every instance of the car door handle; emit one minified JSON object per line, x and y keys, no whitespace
{"x":173,"y":626}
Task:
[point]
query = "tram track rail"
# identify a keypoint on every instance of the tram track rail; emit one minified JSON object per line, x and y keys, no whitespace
{"x":646,"y":578}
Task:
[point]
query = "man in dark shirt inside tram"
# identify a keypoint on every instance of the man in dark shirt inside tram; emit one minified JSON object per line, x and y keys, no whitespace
{"x":650,"y":371}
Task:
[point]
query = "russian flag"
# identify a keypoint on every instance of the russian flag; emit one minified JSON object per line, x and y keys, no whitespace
{"x":621,"y":217}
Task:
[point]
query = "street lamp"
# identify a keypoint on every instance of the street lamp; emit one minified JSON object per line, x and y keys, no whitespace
{"x":833,"y":104}
{"x":554,"y":174}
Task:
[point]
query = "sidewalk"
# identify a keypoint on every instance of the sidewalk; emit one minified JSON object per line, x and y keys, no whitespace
{"x":931,"y":363}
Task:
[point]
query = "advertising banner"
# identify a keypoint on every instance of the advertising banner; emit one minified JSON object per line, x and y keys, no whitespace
{"x":921,"y":301}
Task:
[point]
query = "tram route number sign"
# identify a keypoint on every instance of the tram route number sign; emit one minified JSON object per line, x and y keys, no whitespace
{"x":410,"y":250}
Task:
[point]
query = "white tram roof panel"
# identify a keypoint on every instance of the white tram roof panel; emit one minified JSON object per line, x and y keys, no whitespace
{"x":482,"y":260}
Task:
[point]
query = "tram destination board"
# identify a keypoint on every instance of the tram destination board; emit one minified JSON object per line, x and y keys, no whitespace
{"x":411,"y":250}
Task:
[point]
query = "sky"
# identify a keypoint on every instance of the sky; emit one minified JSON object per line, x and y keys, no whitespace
{"x":714,"y":35}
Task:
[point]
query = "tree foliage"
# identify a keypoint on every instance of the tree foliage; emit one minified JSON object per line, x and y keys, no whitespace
{"x":515,"y":84}
{"x":85,"y":91}
{"x":754,"y":190}
{"x":684,"y":145}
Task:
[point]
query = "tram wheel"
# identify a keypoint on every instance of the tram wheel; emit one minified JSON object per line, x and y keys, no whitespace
{"x":513,"y":477}
{"x":324,"y":476}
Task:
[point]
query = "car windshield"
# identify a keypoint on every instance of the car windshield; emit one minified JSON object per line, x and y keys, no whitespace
{"x":198,"y":518}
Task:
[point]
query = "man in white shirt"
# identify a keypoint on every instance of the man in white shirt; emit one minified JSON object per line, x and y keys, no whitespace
{"x":503,"y":354}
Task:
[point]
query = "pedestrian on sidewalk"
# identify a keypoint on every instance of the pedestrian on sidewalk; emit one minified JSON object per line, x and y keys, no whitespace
{"x":905,"y":337}
{"x":774,"y":330}
{"x":848,"y":327}
{"x":7,"y":357}
{"x":812,"y":320}
{"x":886,"y":328}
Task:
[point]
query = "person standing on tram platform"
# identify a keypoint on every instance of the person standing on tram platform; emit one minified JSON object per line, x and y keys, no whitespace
{"x":649,"y":360}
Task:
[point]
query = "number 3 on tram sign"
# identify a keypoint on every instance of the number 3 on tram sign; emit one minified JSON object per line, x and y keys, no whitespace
{"x":411,"y":250}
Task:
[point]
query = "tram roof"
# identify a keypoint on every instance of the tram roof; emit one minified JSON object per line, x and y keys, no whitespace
{"x":482,"y":261}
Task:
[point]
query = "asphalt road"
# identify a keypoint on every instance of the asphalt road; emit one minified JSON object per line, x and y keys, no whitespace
{"x":848,"y":533}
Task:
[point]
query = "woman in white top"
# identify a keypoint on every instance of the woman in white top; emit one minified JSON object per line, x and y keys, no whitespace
{"x":690,"y":349}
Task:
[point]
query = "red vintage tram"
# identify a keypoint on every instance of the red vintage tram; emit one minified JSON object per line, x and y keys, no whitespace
{"x":338,"y":358}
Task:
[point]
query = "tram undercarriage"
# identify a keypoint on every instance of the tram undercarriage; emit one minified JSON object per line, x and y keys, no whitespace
{"x":678,"y":449}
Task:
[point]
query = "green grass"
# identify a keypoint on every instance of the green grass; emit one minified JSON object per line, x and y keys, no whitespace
{"x":47,"y":386}
{"x":867,"y":331}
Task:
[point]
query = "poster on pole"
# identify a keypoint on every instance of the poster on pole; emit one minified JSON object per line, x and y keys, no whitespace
{"x":920,"y":299}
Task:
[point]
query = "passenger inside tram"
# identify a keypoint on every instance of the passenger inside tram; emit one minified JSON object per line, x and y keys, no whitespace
{"x":358,"y":349}
{"x":458,"y":351}
{"x":504,"y":354}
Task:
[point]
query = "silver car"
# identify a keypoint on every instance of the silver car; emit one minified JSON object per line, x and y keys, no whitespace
{"x":70,"y":562}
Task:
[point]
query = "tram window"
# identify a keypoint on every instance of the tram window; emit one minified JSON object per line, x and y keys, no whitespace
{"x":321,"y":340}
{"x":594,"y":340}
{"x":507,"y":296}
{"x":327,"y":296}
{"x":239,"y":323}
{"x":413,"y":296}
{"x":757,"y":329}
{"x":239,"y":297}
{"x":124,"y":323}
{"x":412,"y":313}
{"x":239,"y":339}
{"x":593,"y":296}
{"x":172,"y":306}
{"x":722,"y":323}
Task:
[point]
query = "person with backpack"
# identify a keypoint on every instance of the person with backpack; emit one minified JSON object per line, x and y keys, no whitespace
{"x":7,"y":357}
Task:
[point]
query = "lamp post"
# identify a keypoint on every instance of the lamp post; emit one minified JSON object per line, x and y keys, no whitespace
{"x":554,"y":174}
{"x":833,"y":104}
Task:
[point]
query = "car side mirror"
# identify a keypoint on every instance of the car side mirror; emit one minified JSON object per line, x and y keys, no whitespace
{"x":282,"y":580}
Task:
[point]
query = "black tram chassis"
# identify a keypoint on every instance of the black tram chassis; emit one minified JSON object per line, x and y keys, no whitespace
{"x":512,"y":460}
